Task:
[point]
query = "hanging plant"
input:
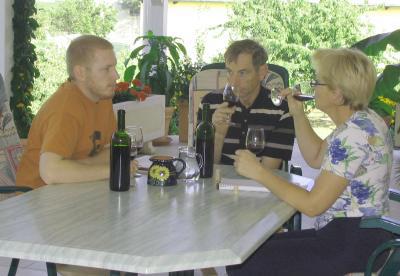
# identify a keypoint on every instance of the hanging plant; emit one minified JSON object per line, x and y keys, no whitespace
{"x":24,"y":70}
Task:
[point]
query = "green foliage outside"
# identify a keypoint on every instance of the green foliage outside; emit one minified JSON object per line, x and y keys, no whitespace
{"x":291,"y":30}
{"x":24,"y":69}
{"x":51,"y":64}
{"x":132,"y":5}
{"x":387,"y":89}
{"x":83,"y":17}
{"x":60,"y":21}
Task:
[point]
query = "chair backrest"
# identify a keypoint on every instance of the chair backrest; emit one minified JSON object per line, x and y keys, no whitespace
{"x":10,"y":147}
{"x":213,"y":77}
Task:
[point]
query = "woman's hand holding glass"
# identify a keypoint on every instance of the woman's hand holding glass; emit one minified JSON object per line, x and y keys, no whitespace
{"x":247,"y":164}
{"x":296,"y":107}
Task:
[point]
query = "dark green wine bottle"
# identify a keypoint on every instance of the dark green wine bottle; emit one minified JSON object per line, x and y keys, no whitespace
{"x":205,"y":142}
{"x":120,"y":174}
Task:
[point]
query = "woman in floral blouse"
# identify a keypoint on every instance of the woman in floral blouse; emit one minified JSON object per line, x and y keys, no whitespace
{"x":355,"y":162}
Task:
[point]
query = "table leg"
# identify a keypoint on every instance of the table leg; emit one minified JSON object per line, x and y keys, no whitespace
{"x":117,"y":273}
{"x":13,"y":267}
{"x":51,"y":269}
{"x":182,"y":273}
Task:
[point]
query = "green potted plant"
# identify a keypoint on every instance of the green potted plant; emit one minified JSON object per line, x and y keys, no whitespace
{"x":156,"y":63}
{"x":387,"y":91}
{"x":181,"y":84}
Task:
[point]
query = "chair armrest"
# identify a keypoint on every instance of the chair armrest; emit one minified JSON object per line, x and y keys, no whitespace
{"x":385,"y":223}
{"x":394,"y":194}
{"x":14,"y":189}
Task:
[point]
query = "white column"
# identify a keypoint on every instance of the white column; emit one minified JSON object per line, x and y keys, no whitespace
{"x":154,"y":16}
{"x":6,"y":42}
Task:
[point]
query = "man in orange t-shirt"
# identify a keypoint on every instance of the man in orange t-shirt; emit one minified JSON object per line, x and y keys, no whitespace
{"x":69,"y":138}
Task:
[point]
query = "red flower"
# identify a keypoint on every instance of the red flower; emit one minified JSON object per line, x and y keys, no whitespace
{"x":147,"y":89}
{"x":122,"y":86}
{"x":130,"y":91}
{"x":137,"y":83}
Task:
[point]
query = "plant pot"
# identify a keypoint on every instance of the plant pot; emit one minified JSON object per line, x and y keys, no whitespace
{"x":165,"y":140}
{"x":183,"y":120}
{"x":169,"y":112}
{"x":147,"y":114}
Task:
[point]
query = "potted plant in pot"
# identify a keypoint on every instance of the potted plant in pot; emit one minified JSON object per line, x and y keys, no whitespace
{"x":181,"y":84}
{"x":155,"y":63}
{"x":142,"y":108}
{"x":387,"y":92}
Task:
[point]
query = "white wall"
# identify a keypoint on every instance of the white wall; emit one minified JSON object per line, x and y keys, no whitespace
{"x":191,"y":21}
{"x":6,"y":42}
{"x":154,"y":16}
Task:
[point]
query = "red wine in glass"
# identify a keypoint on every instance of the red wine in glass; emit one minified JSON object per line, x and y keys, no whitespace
{"x":255,"y":148}
{"x":303,"y":97}
{"x":229,"y":96}
{"x":255,"y":139}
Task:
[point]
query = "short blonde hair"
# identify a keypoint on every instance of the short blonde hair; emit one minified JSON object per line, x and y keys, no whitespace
{"x":348,"y":70}
{"x":81,"y":51}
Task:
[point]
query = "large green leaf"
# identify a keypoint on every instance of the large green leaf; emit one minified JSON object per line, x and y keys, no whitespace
{"x":374,"y":44}
{"x":136,"y":51}
{"x":387,"y":82}
{"x":129,"y":73}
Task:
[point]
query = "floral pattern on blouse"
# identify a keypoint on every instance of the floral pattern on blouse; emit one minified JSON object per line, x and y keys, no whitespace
{"x":360,"y":150}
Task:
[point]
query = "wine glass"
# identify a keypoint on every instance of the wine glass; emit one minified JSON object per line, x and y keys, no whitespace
{"x":277,"y":99}
{"x":230,"y":97}
{"x":136,"y":134}
{"x":255,"y":139}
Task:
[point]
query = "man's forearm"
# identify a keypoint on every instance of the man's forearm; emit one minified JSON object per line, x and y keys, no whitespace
{"x":71,"y":171}
{"x":103,"y":157}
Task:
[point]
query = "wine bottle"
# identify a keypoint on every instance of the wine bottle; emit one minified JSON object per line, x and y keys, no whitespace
{"x":120,"y":157}
{"x":205,"y":142}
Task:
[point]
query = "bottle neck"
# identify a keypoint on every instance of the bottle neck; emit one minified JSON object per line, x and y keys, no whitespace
{"x":121,"y":120}
{"x":204,"y":114}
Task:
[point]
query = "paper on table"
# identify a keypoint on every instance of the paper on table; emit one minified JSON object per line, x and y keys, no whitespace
{"x":247,"y":185}
{"x":144,"y":162}
{"x":241,"y":184}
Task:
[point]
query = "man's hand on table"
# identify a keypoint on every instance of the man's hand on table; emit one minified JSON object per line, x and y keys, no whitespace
{"x":134,"y":166}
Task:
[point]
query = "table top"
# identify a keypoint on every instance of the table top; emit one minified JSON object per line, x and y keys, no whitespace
{"x":146,"y":230}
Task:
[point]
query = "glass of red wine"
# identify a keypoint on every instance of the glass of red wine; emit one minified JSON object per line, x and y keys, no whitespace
{"x":255,"y":139}
{"x":277,"y":99}
{"x":230,"y":97}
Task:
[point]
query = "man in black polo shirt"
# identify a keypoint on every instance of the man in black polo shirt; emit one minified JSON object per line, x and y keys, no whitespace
{"x":245,"y":61}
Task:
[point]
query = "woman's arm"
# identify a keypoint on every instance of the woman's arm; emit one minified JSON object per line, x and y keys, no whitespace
{"x":327,"y":188}
{"x":311,"y":146}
